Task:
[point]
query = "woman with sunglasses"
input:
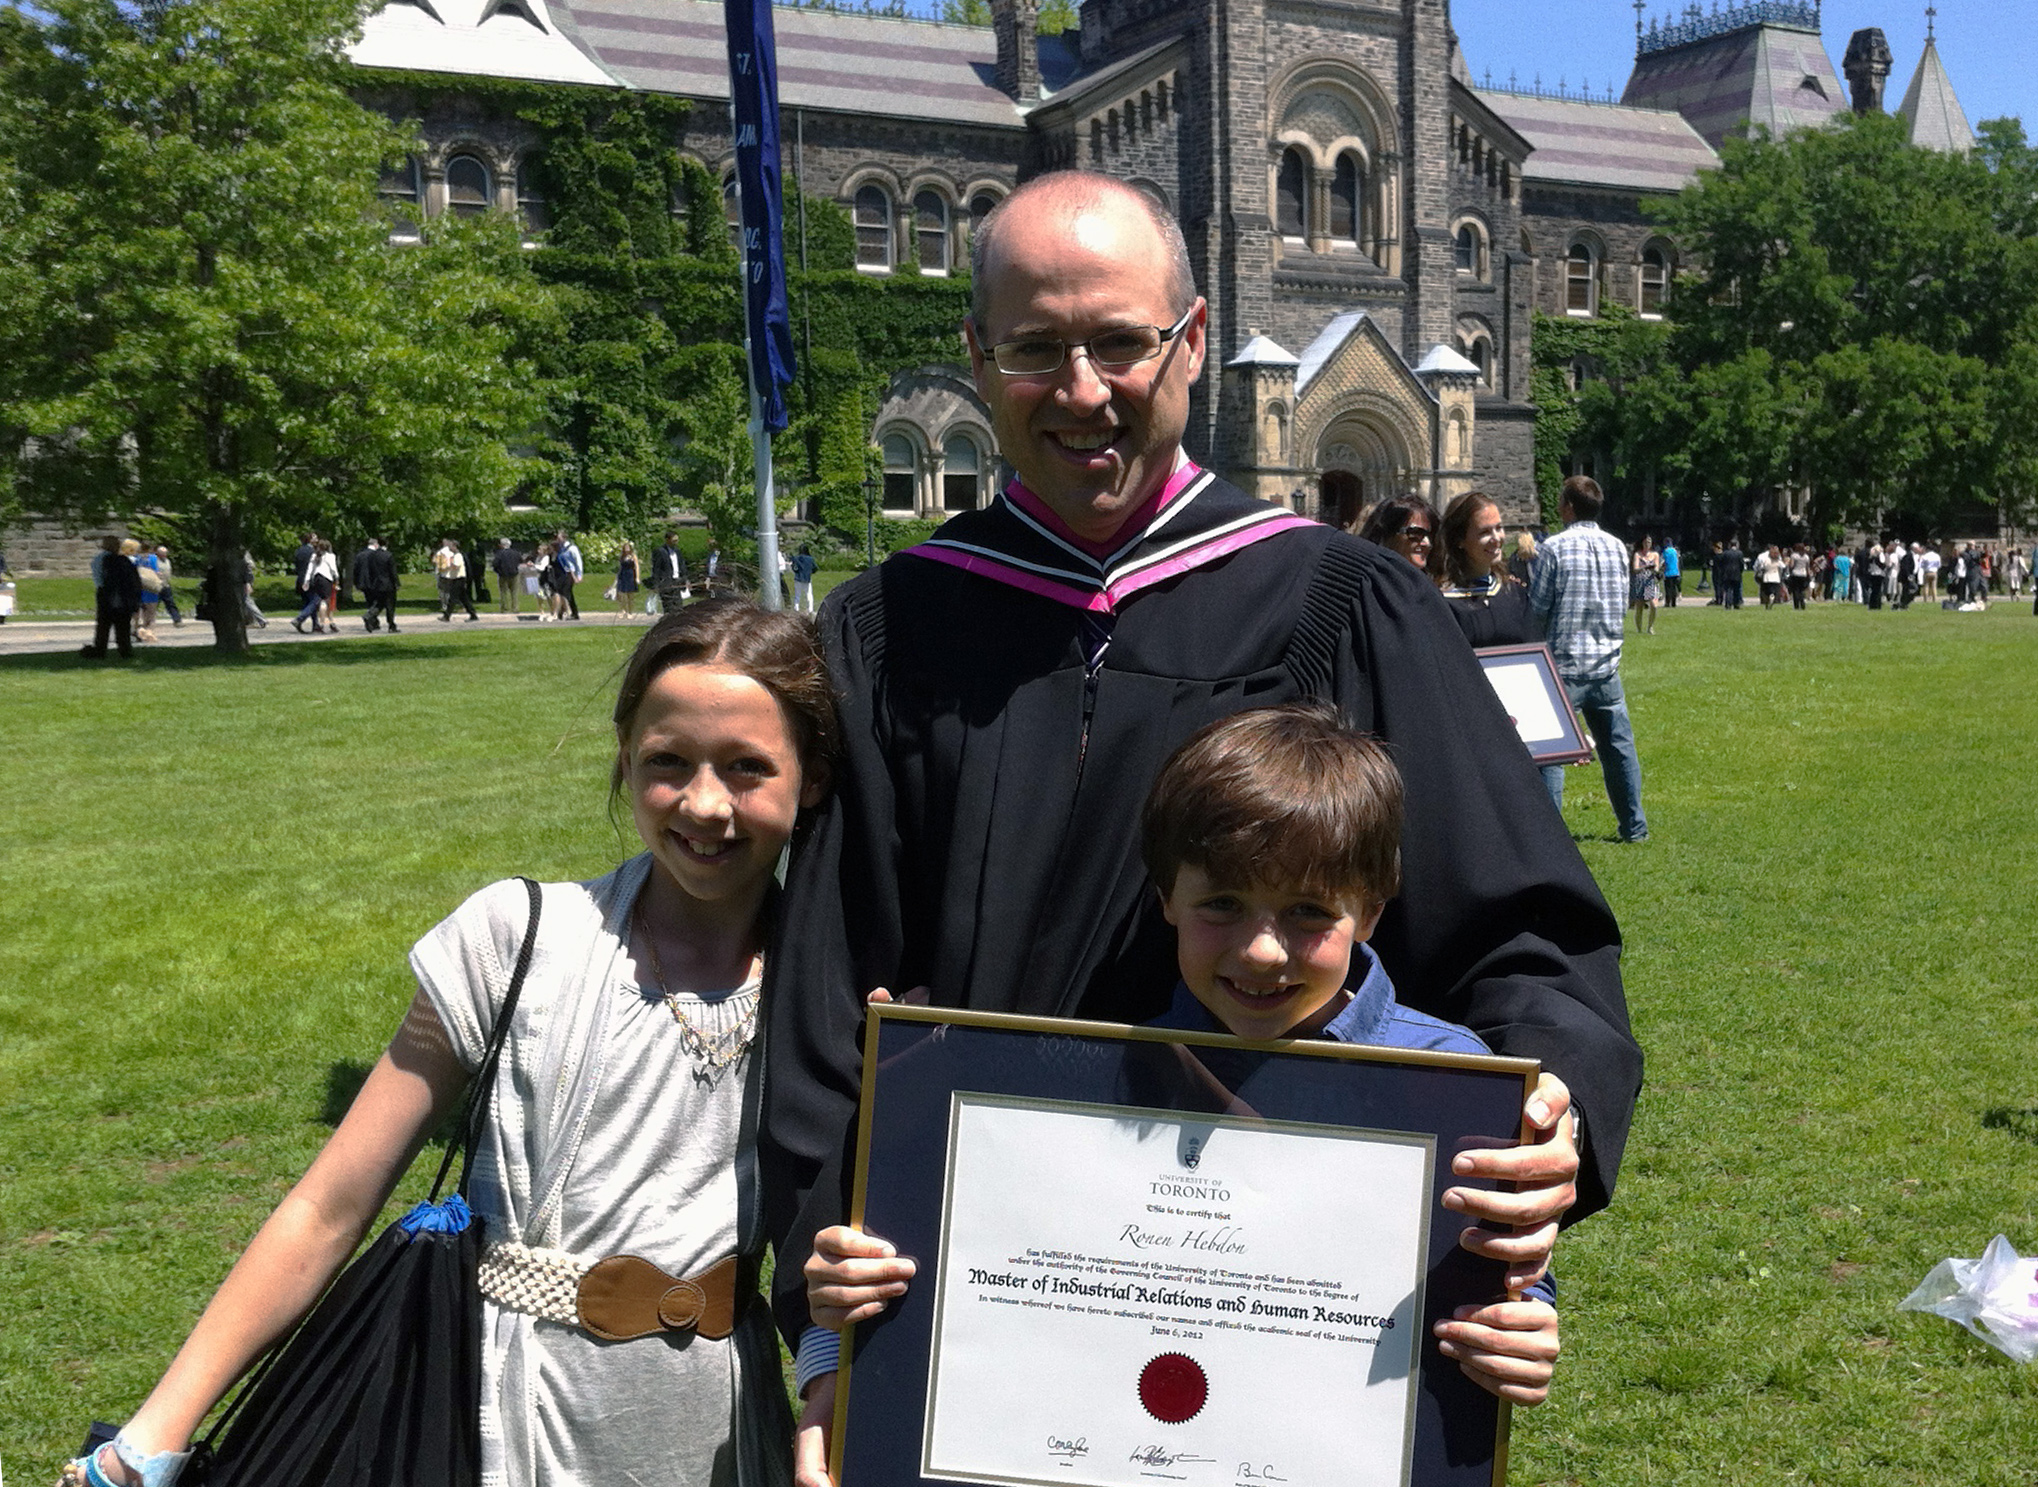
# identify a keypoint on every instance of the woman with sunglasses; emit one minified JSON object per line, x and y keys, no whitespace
{"x":1408,"y":525}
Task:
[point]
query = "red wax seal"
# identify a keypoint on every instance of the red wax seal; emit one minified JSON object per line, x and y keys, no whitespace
{"x":1173,"y":1388}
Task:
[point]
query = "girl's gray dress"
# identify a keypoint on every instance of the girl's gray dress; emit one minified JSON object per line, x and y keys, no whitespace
{"x":608,"y":1138}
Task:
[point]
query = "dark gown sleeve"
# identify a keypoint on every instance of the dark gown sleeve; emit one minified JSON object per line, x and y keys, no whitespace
{"x":1499,"y":925}
{"x":839,"y":935}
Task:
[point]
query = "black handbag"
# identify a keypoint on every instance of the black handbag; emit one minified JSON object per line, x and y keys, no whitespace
{"x":381,"y":1385}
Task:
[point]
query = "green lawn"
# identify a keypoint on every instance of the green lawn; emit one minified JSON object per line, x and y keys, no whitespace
{"x":212,"y":874}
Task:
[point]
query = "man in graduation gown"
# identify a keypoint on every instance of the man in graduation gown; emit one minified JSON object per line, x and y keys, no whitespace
{"x":1011,"y":687}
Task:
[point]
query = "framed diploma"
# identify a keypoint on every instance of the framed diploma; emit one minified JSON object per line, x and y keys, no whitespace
{"x":1154,"y":1257}
{"x":1524,"y":677}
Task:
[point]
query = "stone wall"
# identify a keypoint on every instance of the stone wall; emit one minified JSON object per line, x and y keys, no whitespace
{"x":1613,"y":223}
{"x":46,"y":549}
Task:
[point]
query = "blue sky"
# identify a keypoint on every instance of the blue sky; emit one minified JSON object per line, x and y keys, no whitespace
{"x":1990,"y":47}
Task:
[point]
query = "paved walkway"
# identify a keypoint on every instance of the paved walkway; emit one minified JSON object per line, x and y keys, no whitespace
{"x":24,"y":635}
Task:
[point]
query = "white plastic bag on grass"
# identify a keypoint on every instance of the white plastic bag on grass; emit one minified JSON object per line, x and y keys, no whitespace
{"x":1995,"y":1298}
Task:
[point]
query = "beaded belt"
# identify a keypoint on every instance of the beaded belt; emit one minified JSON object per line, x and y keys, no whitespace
{"x":620,"y":1297}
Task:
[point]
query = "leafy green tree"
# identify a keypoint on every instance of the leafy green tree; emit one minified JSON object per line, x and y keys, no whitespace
{"x":206,"y":323}
{"x":1861,"y":322}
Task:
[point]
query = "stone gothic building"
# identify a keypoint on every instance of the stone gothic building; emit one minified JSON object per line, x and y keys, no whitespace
{"x":1371,"y":227}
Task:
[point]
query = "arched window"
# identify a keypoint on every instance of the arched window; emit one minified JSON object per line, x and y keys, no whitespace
{"x":732,"y":213}
{"x":399,"y":192}
{"x":1581,"y":282}
{"x":531,"y":208}
{"x":469,"y":192}
{"x":930,"y":215}
{"x":1655,"y":282}
{"x":979,"y":208}
{"x":873,"y":229}
{"x":1468,"y":249}
{"x":1345,"y":195}
{"x":1480,"y":354}
{"x":959,"y":460}
{"x":1291,"y":192}
{"x":901,"y":474}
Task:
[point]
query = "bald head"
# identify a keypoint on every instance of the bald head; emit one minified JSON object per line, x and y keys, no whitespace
{"x":1068,"y":194}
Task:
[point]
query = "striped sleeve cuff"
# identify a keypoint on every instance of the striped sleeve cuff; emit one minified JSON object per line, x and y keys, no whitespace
{"x":820,"y":1352}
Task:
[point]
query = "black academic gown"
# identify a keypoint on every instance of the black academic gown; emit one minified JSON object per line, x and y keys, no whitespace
{"x":982,"y":839}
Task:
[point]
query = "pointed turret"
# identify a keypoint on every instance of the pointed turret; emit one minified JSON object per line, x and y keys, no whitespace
{"x":1934,"y":115}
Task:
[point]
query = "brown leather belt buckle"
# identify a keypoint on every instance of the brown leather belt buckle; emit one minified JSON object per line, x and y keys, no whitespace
{"x":624,"y":1297}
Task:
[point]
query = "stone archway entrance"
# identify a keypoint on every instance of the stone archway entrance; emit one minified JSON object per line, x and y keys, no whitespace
{"x":1363,"y":461}
{"x":1341,"y":499}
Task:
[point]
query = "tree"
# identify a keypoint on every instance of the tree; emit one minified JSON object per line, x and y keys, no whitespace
{"x":207,"y":323}
{"x":1861,"y":322}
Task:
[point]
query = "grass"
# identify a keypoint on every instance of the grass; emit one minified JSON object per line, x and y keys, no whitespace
{"x":213,"y":872}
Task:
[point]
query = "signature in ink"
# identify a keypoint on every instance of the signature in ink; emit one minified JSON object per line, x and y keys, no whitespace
{"x":1247,"y":1472}
{"x":1161,"y":1456}
{"x":1068,"y":1450}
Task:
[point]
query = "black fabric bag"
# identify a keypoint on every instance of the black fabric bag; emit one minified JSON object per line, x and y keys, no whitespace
{"x":381,"y":1385}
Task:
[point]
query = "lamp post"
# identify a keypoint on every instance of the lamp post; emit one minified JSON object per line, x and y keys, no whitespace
{"x":870,"y":489}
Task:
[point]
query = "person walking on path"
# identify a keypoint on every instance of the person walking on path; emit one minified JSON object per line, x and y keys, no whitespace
{"x":626,"y":580}
{"x":375,"y":576}
{"x":300,"y":562}
{"x":168,"y":597}
{"x":1843,"y":575}
{"x":1929,"y":564}
{"x":568,"y":570}
{"x":803,"y":580}
{"x":116,"y":595}
{"x":1579,"y":597}
{"x":1727,"y":567}
{"x":668,"y":575}
{"x":452,"y":565}
{"x":151,"y":578}
{"x":505,"y":562}
{"x":320,"y":579}
{"x":1673,"y":574}
{"x":1798,"y":574}
{"x":1769,"y":576}
{"x":1874,"y":570}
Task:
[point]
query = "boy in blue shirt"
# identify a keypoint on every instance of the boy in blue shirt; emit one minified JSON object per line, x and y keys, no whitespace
{"x":1274,"y":840}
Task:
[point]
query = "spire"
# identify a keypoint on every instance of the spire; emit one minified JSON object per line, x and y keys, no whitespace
{"x":1930,"y":108}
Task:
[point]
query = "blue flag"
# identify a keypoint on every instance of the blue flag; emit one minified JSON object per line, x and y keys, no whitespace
{"x":753,"y":88}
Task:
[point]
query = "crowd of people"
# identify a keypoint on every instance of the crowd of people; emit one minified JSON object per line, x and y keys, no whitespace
{"x":1876,"y":574}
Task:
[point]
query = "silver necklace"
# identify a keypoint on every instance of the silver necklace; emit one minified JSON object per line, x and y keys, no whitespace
{"x":713,"y":1051}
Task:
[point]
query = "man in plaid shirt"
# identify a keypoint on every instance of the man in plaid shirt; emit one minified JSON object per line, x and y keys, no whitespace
{"x":1579,"y":592}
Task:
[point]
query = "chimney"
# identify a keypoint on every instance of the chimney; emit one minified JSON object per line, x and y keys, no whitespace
{"x":1866,"y":65}
{"x":1014,"y":22}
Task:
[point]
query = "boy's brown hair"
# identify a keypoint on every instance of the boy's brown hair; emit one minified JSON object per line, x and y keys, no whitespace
{"x":1287,"y":796}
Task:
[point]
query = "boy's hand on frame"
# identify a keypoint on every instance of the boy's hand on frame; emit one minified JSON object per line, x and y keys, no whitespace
{"x":1520,"y":1227}
{"x":1508,"y":1349}
{"x":851,"y":1277}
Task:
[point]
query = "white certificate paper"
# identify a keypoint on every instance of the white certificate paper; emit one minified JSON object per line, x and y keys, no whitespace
{"x":1521,"y":691}
{"x":1129,"y":1297}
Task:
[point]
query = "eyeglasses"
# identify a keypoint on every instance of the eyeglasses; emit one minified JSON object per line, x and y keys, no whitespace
{"x":1416,"y":534}
{"x":1122,"y":346}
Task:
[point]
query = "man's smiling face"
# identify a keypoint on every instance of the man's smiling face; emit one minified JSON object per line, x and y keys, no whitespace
{"x":1092,"y":442}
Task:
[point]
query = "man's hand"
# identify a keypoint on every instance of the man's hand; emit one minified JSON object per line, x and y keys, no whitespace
{"x":851,"y":1277}
{"x":817,"y":1427}
{"x":1520,"y":1227}
{"x":1509,"y":1348}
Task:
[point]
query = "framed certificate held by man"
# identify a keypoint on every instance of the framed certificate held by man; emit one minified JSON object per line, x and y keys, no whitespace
{"x":1153,"y":1256}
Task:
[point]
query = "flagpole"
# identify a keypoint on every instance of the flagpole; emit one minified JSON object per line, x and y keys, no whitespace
{"x":767,"y":510}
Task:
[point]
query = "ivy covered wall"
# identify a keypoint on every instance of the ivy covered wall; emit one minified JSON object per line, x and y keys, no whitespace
{"x":647,"y":400}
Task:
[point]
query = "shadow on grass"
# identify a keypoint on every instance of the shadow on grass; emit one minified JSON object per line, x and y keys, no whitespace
{"x":364,"y":651}
{"x":343,"y":1081}
{"x":2022,"y":1124}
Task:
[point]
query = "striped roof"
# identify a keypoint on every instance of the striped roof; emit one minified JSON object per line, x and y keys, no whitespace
{"x":1603,"y":144}
{"x":849,"y":63}
{"x":1773,"y":75}
{"x":1935,"y":116}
